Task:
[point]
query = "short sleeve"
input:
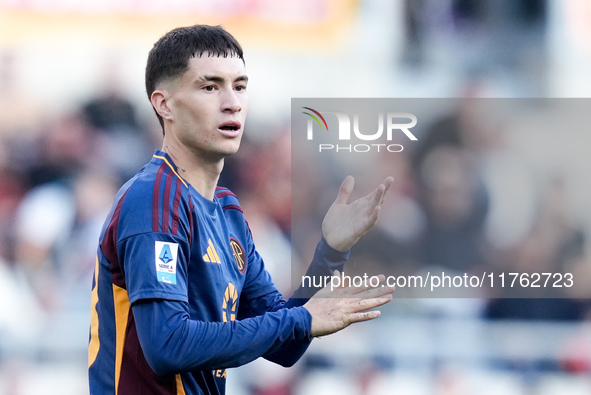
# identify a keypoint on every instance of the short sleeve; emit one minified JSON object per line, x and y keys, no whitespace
{"x":155,"y":266}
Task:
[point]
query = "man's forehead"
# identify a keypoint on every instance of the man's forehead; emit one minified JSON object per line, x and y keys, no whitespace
{"x":208,"y":54}
{"x":223,"y":64}
{"x":208,"y":67}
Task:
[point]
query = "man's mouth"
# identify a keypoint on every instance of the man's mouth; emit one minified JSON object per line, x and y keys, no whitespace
{"x":230,"y":129}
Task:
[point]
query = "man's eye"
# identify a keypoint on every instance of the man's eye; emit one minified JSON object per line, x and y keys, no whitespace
{"x":209,"y":88}
{"x":240,"y":88}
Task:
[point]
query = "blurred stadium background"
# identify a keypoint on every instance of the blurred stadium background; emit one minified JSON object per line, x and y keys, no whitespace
{"x":75,"y":123}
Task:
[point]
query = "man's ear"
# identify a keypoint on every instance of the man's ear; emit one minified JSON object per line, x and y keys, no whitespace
{"x":159,"y":99}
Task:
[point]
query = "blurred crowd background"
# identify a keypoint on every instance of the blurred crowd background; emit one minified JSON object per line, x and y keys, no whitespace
{"x":75,"y":123}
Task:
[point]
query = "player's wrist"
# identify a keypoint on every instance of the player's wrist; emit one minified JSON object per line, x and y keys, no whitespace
{"x":333,"y":253}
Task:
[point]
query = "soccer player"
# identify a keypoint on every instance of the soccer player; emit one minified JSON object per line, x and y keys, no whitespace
{"x":179,"y":291}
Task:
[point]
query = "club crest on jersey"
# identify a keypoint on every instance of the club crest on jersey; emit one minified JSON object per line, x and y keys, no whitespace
{"x":166,"y":258}
{"x":239,"y":254}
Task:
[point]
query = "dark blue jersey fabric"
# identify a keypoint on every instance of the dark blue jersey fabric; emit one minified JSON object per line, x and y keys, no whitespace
{"x":180,"y":293}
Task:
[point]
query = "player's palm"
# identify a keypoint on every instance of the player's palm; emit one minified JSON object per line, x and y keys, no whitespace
{"x":335,"y":309}
{"x":344,"y":223}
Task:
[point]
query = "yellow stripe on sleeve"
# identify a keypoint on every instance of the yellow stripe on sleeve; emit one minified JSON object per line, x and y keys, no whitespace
{"x":121,"y":300}
{"x":95,"y":343}
{"x":180,"y":389}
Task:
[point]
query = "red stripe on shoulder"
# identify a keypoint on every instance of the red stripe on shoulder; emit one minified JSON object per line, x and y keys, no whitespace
{"x":156,"y":198}
{"x":224,"y":192}
{"x":191,"y":208}
{"x":109,"y":246}
{"x":220,"y":192}
{"x":233,"y":207}
{"x":175,"y":207}
{"x":166,"y":202}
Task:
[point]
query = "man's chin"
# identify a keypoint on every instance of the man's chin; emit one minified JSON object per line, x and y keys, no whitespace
{"x":223,"y":152}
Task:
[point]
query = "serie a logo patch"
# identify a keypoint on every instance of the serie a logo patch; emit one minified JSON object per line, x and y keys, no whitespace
{"x":166,"y":255}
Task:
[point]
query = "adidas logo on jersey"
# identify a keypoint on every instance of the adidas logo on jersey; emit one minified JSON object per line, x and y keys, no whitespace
{"x":211,"y":255}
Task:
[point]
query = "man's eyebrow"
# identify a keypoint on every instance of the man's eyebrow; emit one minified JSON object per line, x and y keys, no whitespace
{"x":218,"y":79}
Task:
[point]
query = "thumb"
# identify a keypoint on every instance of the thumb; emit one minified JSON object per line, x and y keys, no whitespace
{"x":345,"y":190}
{"x":337,"y":274}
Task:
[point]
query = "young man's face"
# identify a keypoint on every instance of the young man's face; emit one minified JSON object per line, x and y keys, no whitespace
{"x":208,"y":104}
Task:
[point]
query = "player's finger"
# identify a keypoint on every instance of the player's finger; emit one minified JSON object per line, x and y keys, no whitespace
{"x":366,"y":304}
{"x":347,"y":289}
{"x":378,"y":193}
{"x":370,"y":294}
{"x":383,"y":189}
{"x":350,"y":290}
{"x":387,"y":184}
{"x":372,"y":219}
{"x":336,"y":273}
{"x":365,"y":316}
{"x":345,"y":190}
{"x":337,"y":283}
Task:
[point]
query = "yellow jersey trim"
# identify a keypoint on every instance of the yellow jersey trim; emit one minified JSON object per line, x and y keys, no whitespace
{"x":95,"y":343}
{"x":171,"y":168}
{"x":121,"y":301}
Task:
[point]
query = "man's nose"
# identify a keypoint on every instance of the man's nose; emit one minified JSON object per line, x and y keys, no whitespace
{"x":231,"y":102}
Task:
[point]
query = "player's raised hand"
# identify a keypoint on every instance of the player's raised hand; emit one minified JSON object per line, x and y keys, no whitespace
{"x":336,"y":309}
{"x":345,"y":223}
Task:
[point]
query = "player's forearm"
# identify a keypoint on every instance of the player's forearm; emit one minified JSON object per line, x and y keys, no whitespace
{"x":181,"y":344}
{"x":325,"y":261}
{"x":288,"y":355}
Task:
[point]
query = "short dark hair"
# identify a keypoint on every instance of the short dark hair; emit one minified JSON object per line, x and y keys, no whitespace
{"x":169,"y":58}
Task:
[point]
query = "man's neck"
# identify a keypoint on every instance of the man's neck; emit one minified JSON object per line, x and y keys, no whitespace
{"x":201,"y":173}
